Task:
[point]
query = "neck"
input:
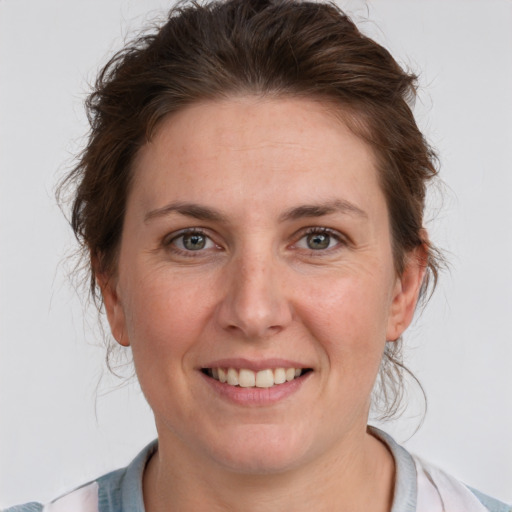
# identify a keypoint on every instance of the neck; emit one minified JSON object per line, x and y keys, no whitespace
{"x":355,"y":477}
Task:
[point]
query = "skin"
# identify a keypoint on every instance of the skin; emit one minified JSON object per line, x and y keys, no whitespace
{"x":257,"y":291}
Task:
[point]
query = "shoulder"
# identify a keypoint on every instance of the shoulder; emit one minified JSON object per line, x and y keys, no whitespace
{"x":83,"y":499}
{"x":120,"y":490}
{"x":28,"y":507}
{"x":101,"y":495}
{"x":492,"y":504}
{"x":452,"y":493}
{"x":422,"y":487}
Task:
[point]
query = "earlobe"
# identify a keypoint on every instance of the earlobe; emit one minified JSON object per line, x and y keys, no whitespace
{"x":113,"y":308}
{"x":406,"y":293}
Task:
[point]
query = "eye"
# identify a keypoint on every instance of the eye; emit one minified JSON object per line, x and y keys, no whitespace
{"x":319,"y":239}
{"x":191,"y":241}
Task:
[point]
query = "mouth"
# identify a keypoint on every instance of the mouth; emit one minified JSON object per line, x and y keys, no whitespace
{"x":246,"y":378}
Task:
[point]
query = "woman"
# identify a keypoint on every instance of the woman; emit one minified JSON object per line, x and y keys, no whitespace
{"x":251,"y":199}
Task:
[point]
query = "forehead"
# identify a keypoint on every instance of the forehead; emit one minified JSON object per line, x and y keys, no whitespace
{"x":254,"y":147}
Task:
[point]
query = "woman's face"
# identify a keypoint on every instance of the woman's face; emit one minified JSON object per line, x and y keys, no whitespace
{"x":256,"y":243}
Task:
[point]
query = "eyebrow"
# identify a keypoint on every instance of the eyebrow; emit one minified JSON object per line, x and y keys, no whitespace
{"x":321,"y":209}
{"x":307,"y":210}
{"x":188,"y":209}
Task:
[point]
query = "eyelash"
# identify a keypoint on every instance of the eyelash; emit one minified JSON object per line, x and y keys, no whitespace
{"x":169,"y":242}
{"x":340,"y":239}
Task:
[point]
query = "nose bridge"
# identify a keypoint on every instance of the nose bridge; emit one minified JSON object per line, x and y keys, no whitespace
{"x":255,"y":303}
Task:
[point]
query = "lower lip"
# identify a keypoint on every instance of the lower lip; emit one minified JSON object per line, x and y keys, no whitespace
{"x":256,"y":396}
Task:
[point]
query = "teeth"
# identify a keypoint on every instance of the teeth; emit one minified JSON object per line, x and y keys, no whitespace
{"x":279,"y":376}
{"x":248,"y":379}
{"x":264,"y":379}
{"x":232,"y":377}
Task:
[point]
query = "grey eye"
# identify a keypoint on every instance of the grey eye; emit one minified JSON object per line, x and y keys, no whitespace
{"x":193,"y":241}
{"x":190,"y":241}
{"x":318,"y":241}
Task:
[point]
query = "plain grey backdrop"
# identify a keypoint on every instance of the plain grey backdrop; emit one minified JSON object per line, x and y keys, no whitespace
{"x":60,"y":426}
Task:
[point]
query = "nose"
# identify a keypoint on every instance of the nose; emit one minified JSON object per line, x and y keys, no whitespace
{"x":255,"y":304}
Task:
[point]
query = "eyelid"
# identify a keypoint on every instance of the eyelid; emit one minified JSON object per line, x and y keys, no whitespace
{"x":342,"y":240}
{"x":170,"y":237}
{"x":167,"y":241}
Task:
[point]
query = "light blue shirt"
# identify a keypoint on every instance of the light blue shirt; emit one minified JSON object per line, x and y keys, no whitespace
{"x":121,"y":490}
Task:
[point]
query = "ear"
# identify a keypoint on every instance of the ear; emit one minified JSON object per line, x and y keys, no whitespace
{"x":406,"y":292}
{"x":113,"y":307}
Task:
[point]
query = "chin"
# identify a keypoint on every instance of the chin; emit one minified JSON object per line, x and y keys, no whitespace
{"x":262,"y":450}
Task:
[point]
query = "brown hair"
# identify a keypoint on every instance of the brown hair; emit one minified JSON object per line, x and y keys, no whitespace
{"x":262,"y":47}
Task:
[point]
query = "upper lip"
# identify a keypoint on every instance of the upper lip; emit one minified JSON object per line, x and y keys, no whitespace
{"x":254,"y":365}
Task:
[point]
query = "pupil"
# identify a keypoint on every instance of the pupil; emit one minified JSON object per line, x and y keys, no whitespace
{"x":194,"y":242}
{"x":318,"y":241}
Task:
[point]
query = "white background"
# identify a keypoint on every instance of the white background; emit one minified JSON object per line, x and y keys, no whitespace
{"x":60,"y":426}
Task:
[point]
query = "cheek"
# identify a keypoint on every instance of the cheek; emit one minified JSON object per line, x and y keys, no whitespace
{"x":165,"y":320}
{"x":164,"y":316}
{"x":349,"y":317}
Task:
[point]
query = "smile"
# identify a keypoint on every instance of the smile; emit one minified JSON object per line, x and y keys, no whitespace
{"x":246,"y":378}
